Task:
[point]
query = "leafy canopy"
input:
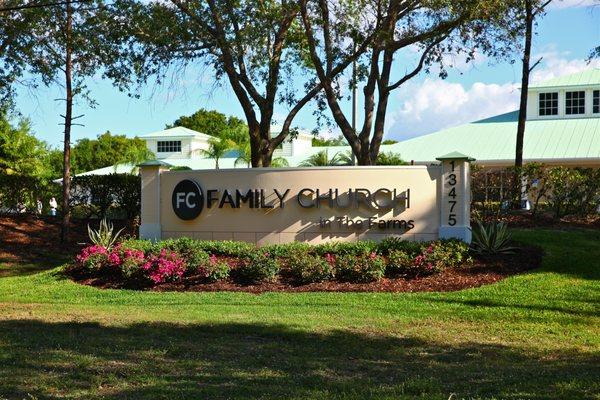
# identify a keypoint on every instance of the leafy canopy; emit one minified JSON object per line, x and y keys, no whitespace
{"x":106,"y":150}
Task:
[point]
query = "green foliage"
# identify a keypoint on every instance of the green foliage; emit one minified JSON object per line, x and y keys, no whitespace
{"x":308,"y":268}
{"x":389,"y":244}
{"x":390,"y":158}
{"x":138,"y":244}
{"x":21,"y":152}
{"x":215,"y":124}
{"x":217,"y":148}
{"x":105,"y":235}
{"x":191,"y":250}
{"x":226,"y":247}
{"x":347,"y":248}
{"x":321,"y":141}
{"x":400,"y":262}
{"x":99,"y":195}
{"x":491,"y":238}
{"x":258,"y":266}
{"x":359,"y":268}
{"x":322,"y":159}
{"x":106,"y":150}
{"x":215,"y":270}
{"x":286,"y":249}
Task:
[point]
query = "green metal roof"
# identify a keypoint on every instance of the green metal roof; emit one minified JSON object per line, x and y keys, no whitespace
{"x":493,"y":139}
{"x":589,"y":77}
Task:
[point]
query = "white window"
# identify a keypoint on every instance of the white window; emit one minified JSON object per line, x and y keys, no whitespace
{"x":548,"y":103}
{"x":168,"y":146}
{"x":575,"y":102}
{"x":596,"y":102}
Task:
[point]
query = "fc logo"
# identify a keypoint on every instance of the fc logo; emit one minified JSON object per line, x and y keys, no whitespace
{"x":187,"y":199}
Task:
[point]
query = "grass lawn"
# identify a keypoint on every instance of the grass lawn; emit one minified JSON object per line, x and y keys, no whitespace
{"x":532,"y":336}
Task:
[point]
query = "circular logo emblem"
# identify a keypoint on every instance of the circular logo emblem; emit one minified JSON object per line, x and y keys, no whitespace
{"x":187,"y":199}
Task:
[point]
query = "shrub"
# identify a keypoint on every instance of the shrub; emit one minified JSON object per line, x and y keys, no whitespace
{"x":93,"y":258}
{"x":145,"y":246}
{"x":226,"y":247}
{"x":387,"y":245}
{"x":400,"y":263}
{"x":258,"y":266}
{"x":165,"y":266}
{"x":491,"y":238}
{"x":286,"y":250}
{"x":359,"y":268}
{"x":214,"y":270}
{"x":438,"y":256}
{"x":346,"y":248}
{"x":309,"y":268}
{"x":452,"y":252}
{"x":129,"y":261}
{"x":192,"y":251}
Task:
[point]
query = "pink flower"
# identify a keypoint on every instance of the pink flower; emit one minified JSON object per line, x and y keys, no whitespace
{"x":213,"y":259}
{"x":330,"y":258}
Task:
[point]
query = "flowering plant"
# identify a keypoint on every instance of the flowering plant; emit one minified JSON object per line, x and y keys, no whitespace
{"x":366,"y":267}
{"x":93,"y":257}
{"x":167,"y":266}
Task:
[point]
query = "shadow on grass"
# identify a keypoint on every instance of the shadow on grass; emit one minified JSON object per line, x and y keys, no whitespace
{"x":29,"y":265}
{"x":240,"y":361}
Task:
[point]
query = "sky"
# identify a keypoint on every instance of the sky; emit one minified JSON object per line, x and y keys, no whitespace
{"x":480,"y":89}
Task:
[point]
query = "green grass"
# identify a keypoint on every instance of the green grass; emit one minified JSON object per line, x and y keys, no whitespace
{"x":532,"y":336}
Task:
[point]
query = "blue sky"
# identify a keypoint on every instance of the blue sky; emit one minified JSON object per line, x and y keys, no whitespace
{"x":426,"y":104}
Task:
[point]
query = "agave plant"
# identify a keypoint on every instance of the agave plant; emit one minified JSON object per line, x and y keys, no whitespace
{"x":491,"y":238}
{"x":105,"y":236}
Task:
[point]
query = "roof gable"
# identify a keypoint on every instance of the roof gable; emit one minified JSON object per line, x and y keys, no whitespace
{"x":588,"y":77}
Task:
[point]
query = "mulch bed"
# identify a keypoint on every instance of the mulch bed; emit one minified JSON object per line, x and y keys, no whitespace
{"x":29,"y":238}
{"x":481,"y":272}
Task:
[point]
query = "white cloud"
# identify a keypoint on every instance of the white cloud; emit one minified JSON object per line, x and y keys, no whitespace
{"x":438,"y":104}
{"x":560,"y":4}
{"x":556,"y":64}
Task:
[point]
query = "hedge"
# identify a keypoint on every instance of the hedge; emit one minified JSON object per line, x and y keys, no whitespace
{"x":145,"y":263}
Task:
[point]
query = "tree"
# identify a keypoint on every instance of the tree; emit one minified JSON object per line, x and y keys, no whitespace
{"x":217,"y":148}
{"x":530,"y":10}
{"x":21,"y":153}
{"x":245,"y":157}
{"x":321,"y":159}
{"x":256,"y":46}
{"x":106,"y":150}
{"x":433,"y":28}
{"x":69,"y":45}
{"x":214,"y":123}
{"x":17,"y":20}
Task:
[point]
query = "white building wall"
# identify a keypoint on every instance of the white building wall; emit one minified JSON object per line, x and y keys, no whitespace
{"x":186,"y":148}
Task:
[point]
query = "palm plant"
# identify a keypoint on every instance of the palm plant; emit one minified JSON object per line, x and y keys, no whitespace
{"x":321,"y":159}
{"x":217,"y":148}
{"x":244,"y":157}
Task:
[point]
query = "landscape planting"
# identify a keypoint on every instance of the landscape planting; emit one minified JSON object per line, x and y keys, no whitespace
{"x":188,"y":264}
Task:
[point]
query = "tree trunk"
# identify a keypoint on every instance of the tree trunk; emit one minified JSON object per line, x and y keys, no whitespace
{"x":66,"y":212}
{"x":523,"y":101}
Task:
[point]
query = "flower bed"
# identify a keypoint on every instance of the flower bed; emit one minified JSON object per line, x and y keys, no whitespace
{"x":186,"y":264}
